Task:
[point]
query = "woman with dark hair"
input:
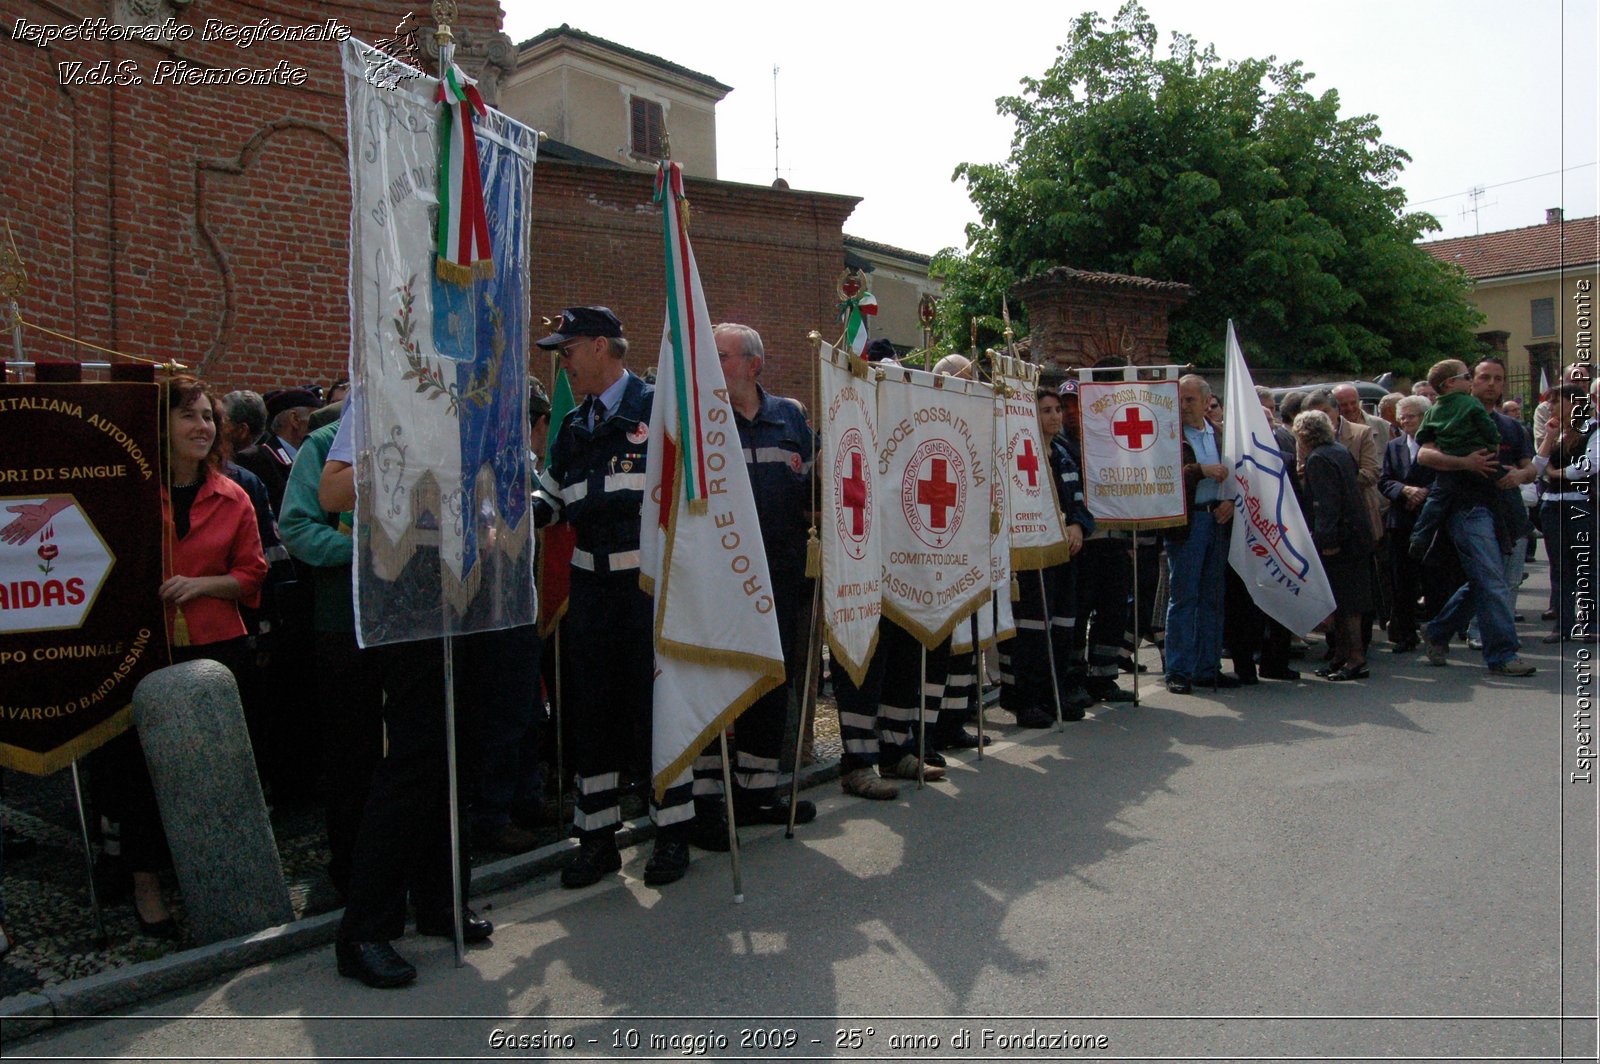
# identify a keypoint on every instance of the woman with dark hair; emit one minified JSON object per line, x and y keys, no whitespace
{"x":213,"y":565}
{"x":1343,"y":535}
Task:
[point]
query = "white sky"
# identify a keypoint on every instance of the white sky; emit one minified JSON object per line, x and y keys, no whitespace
{"x":882,"y":100}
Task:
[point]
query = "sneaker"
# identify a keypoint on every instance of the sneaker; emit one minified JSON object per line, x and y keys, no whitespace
{"x":865,"y":783}
{"x":906,"y":769}
{"x":1437,"y":654}
{"x":668,"y":862}
{"x":1513,"y":667}
{"x":595,"y":858}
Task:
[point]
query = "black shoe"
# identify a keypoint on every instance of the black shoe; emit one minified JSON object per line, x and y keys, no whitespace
{"x":1179,"y":686}
{"x":19,"y":845}
{"x":1075,"y":700}
{"x":1548,"y":615}
{"x":1112,"y":693}
{"x":967,"y":740}
{"x":595,"y":858}
{"x":377,"y":964}
{"x":710,"y":833}
{"x":775,"y":810}
{"x":1035,"y":717}
{"x":1349,"y":672}
{"x":166,"y":929}
{"x":935,"y":758}
{"x":1222,"y":681}
{"x":1404,"y":646}
{"x":668,"y":863}
{"x":1284,"y":673}
{"x":474,"y":928}
{"x":1248,"y":677}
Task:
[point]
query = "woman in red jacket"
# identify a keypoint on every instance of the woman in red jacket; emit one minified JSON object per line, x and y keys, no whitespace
{"x":214,"y":564}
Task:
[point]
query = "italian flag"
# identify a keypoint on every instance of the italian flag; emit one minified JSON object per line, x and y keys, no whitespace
{"x":854,"y":314}
{"x":463,"y":228}
{"x":700,"y":552}
{"x":558,"y":540}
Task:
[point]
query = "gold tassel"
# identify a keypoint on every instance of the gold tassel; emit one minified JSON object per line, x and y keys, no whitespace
{"x":180,"y":628}
{"x":1016,"y":589}
{"x":994,"y":522}
{"x":813,"y":555}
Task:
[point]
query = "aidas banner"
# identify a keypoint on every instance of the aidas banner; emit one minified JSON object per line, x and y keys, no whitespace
{"x":936,"y":446}
{"x":1132,"y":453}
{"x":80,"y":562}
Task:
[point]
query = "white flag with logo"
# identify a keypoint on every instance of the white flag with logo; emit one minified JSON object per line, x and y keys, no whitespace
{"x":852,"y":553}
{"x":1271,"y":547}
{"x":934,"y":468}
{"x":994,"y":621}
{"x":1132,"y":453}
{"x":700,"y":549}
{"x":1033,"y":516}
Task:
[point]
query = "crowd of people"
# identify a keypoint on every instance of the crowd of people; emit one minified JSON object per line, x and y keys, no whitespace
{"x":1418,"y":513}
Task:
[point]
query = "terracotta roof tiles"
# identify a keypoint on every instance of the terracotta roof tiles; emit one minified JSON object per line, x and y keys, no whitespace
{"x":1531,"y":249}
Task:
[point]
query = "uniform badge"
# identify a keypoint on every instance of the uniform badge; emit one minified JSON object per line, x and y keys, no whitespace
{"x":795,"y":463}
{"x":640,"y":433}
{"x":627,"y":465}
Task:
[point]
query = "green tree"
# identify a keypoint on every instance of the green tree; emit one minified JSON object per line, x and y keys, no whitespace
{"x":1229,"y":176}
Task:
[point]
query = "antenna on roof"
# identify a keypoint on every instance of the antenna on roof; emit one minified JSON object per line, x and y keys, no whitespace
{"x":776,"y":175}
{"x":1476,"y":194}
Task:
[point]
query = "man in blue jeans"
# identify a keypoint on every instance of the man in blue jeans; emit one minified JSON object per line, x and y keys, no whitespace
{"x":1471,"y":525}
{"x":1197,"y":557}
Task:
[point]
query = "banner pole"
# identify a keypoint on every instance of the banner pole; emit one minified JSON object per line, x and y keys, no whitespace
{"x":561,"y":767}
{"x":1138,"y":635}
{"x":1050,"y":651}
{"x":733,"y":828}
{"x":922,"y":716}
{"x":101,"y":940}
{"x":977,"y":647}
{"x":808,"y":692}
{"x":455,"y":803}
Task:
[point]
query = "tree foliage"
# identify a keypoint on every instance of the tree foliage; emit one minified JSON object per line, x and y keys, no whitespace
{"x":1229,"y":176}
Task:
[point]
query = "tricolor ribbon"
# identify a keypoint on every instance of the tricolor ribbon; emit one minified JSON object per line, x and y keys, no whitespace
{"x":464,"y":252}
{"x":854,"y":312}
{"x":683,"y":445}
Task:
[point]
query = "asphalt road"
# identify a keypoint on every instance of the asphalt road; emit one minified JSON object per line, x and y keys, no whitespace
{"x":1395,"y":868}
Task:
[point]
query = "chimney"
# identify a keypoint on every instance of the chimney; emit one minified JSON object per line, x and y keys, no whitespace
{"x":1552,"y":216}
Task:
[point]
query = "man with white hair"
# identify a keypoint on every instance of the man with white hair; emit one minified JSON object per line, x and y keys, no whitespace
{"x":1404,"y":482}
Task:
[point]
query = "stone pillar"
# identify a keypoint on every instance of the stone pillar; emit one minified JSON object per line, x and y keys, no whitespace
{"x":191,"y":726}
{"x":1078,"y":317}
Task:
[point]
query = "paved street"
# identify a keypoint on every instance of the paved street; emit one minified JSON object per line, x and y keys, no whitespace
{"x":1389,"y":868}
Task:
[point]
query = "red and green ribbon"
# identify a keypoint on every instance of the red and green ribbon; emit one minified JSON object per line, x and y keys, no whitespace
{"x":463,"y":249}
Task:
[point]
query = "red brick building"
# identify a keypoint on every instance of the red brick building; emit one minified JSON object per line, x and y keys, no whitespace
{"x":209,"y":222}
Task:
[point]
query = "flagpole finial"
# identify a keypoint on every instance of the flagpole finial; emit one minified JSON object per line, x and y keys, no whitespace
{"x":444,"y":15}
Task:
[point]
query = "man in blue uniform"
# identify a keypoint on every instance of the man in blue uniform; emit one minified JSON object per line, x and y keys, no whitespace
{"x":779,"y":449}
{"x":595,"y":481}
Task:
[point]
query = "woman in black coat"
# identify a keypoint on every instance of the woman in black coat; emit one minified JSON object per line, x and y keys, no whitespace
{"x":1343,"y":535}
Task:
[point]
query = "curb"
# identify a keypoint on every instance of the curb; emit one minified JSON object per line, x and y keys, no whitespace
{"x":80,"y":999}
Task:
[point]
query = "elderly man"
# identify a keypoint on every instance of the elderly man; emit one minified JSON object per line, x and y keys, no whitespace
{"x":595,"y":482}
{"x":1198,"y":553}
{"x":1568,"y":459}
{"x":1404,"y":482}
{"x":1426,"y":390}
{"x":1515,"y":455}
{"x":779,"y":449}
{"x":1365,"y":445}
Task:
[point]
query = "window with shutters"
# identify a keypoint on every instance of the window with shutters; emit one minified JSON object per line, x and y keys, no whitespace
{"x":1544,"y":317}
{"x":648,"y":127}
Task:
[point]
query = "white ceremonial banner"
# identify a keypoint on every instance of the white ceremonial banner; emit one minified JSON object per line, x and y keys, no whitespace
{"x":852,"y":537}
{"x":1271,"y":547}
{"x":700,"y":549}
{"x":935,"y":472}
{"x":994,"y":621}
{"x":1132,"y":453}
{"x":442,"y":530}
{"x":1032,"y":511}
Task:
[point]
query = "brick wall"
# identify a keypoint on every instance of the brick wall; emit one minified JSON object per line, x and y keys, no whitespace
{"x":210,"y":224}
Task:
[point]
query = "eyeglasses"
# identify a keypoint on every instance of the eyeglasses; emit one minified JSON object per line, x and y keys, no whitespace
{"x":1467,"y":376}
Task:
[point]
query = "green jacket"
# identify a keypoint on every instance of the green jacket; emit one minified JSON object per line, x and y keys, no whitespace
{"x":318,"y":538}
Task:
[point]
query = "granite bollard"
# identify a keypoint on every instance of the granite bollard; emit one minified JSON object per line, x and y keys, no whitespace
{"x":191,"y":725}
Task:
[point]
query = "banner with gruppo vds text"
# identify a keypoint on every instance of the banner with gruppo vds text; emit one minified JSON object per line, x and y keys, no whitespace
{"x":80,"y":563}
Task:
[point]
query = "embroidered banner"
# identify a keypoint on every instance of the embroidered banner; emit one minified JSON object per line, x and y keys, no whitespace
{"x":994,"y":621}
{"x":80,"y":562}
{"x":936,"y":439}
{"x":439,"y":369}
{"x":851,"y":530}
{"x":1033,"y":516}
{"x":1132,"y":453}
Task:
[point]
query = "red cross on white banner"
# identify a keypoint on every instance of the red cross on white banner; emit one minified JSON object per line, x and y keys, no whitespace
{"x":855,"y":496}
{"x":1132,"y":427}
{"x":1028,"y":462}
{"x":938,"y":494}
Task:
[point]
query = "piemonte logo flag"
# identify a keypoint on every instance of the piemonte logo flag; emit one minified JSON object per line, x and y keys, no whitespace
{"x":934,"y":467}
{"x":700,"y":549}
{"x":851,"y":529}
{"x":1271,"y":548}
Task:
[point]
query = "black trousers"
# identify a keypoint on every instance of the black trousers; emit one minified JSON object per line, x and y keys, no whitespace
{"x":404,"y":838}
{"x":350,"y":686}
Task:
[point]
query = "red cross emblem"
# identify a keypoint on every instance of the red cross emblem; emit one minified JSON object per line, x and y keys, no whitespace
{"x":1028,"y":462}
{"x":1132,"y":427}
{"x":938,"y":494}
{"x":855,"y":496}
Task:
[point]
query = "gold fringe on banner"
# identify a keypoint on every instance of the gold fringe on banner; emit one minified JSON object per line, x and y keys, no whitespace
{"x":856,"y":669}
{"x":43,"y":764}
